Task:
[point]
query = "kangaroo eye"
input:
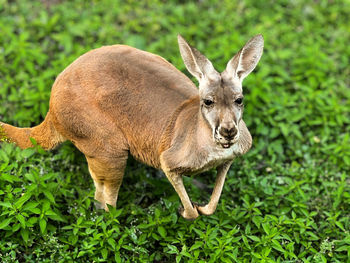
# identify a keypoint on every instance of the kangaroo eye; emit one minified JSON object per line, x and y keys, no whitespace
{"x":239,"y":101}
{"x":208,"y":102}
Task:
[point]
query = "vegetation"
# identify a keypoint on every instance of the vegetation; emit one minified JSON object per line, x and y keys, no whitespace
{"x":287,"y":200}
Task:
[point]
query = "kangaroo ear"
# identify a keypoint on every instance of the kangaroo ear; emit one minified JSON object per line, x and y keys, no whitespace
{"x":246,"y":59}
{"x":196,"y":63}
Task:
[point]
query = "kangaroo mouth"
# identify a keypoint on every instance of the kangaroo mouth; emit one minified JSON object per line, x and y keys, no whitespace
{"x":226,"y":145}
{"x":225,"y":142}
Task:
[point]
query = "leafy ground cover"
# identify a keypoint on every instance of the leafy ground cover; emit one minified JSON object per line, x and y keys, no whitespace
{"x":287,"y":200}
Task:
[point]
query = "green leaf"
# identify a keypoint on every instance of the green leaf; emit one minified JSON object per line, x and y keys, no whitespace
{"x":9,"y":178}
{"x":30,"y":205}
{"x":6,"y":204}
{"x":343,"y":248}
{"x":42,"y":223}
{"x":276,"y":245}
{"x":257,"y":220}
{"x":30,"y":177}
{"x":104,"y":253}
{"x":245,"y":240}
{"x":196,"y":245}
{"x":117,"y":257}
{"x":80,"y":220}
{"x":5,"y":223}
{"x":340,"y":225}
{"x":266,"y":228}
{"x":49,"y":196}
{"x":256,"y":255}
{"x":26,"y":153}
{"x":172,"y":249}
{"x":157,"y":213}
{"x":24,"y":198}
{"x":255,"y":238}
{"x":112,"y":242}
{"x":74,"y":239}
{"x":31,"y":221}
{"x":185,"y":253}
{"x":115,"y":212}
{"x":35,"y":210}
{"x":162,"y":231}
{"x":21,"y":220}
{"x":312,"y":236}
{"x":25,"y":234}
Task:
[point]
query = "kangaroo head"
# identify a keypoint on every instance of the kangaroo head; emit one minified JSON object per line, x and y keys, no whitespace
{"x":221,"y":95}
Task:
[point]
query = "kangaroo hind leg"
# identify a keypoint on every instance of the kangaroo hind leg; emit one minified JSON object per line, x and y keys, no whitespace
{"x":107,"y":174}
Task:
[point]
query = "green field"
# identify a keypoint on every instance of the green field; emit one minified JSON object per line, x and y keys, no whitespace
{"x":286,"y":200}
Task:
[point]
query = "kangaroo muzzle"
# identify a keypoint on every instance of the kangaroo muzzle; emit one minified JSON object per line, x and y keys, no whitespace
{"x":226,"y":136}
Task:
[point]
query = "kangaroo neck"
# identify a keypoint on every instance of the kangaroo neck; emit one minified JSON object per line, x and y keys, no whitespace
{"x":187,"y":128}
{"x":189,"y":147}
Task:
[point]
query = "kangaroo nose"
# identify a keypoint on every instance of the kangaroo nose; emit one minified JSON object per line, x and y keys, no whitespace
{"x":228,"y":133}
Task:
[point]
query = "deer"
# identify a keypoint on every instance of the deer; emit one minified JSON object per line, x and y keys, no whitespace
{"x":116,"y":100}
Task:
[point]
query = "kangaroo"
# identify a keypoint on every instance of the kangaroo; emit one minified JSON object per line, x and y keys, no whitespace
{"x":117,"y":99}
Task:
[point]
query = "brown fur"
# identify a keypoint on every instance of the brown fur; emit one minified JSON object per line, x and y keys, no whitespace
{"x":118,"y":99}
{"x":45,"y":134}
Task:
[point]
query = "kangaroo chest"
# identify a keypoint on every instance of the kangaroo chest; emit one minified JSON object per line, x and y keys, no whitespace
{"x":205,"y":159}
{"x":215,"y":157}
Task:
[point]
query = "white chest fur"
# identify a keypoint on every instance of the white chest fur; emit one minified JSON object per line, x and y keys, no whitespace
{"x":215,"y":156}
{"x":219,"y":153}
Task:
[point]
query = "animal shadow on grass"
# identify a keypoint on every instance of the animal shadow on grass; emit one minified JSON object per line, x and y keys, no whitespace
{"x":144,"y":186}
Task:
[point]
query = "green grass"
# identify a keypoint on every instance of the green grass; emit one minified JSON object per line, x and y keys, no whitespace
{"x":287,"y":200}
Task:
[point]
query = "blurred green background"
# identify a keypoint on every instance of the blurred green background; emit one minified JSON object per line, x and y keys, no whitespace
{"x":287,"y":200}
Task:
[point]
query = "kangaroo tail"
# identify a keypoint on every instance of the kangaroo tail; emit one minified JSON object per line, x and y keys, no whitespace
{"x":44,"y":134}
